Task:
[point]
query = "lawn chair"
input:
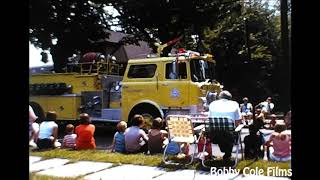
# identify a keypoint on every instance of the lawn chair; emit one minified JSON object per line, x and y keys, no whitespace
{"x":213,"y":125}
{"x":180,"y":130}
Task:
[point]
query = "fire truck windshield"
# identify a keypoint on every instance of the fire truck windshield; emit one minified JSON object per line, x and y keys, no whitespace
{"x":201,"y":70}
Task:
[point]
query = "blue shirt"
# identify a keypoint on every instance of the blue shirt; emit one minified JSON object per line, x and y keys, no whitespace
{"x":119,"y":142}
{"x":246,"y":107}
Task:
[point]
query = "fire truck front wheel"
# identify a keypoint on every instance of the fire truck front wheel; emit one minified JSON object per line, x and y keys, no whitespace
{"x":148,"y":118}
{"x":149,"y":112}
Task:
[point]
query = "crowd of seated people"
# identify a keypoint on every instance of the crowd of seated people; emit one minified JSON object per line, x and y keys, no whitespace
{"x":44,"y":135}
{"x":126,"y":140}
{"x":134,"y":139}
{"x":278,"y":145}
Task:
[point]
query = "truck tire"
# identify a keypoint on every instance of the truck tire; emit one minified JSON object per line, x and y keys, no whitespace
{"x":148,"y":111}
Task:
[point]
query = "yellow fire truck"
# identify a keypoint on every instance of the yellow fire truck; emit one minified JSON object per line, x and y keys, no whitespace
{"x":153,"y":87}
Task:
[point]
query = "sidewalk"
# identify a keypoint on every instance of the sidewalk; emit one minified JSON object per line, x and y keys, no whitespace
{"x":99,"y":171}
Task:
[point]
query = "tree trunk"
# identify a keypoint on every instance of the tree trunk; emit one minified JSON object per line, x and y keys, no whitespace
{"x":59,"y":58}
{"x":285,"y":64}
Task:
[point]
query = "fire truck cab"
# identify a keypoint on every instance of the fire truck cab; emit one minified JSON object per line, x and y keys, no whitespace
{"x":160,"y":86}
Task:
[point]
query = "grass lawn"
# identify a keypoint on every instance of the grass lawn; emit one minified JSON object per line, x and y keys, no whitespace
{"x":33,"y":176}
{"x":261,"y":164}
{"x":141,"y":159}
{"x":100,"y":156}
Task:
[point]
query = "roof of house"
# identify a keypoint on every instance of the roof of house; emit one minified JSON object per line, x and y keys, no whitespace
{"x":136,"y":52}
{"x":115,"y":37}
{"x":132,"y":51}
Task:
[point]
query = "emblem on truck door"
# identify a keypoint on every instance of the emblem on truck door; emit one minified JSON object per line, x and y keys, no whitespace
{"x":175,"y":93}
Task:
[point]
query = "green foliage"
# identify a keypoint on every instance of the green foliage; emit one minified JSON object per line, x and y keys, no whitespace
{"x":261,"y":164}
{"x":245,"y":40}
{"x":246,"y":48}
{"x":229,"y":36}
{"x":76,"y":24}
{"x":73,"y":24}
{"x":164,"y":20}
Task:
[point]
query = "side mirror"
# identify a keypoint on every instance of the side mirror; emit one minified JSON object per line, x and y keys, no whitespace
{"x":117,"y":85}
{"x":117,"y":88}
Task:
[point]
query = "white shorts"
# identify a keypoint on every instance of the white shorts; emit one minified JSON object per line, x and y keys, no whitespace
{"x":281,"y":159}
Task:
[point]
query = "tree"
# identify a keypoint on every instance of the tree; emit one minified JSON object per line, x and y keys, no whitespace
{"x":246,"y":48}
{"x":165,"y":20}
{"x":74,"y":25}
{"x":285,"y":64}
{"x":64,"y":27}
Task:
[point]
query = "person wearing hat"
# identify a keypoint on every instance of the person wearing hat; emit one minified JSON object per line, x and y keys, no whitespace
{"x":48,"y":132}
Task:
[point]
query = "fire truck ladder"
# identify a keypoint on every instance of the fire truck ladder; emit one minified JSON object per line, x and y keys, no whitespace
{"x":97,"y":67}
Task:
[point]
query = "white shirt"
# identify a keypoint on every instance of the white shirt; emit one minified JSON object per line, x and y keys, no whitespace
{"x":265,"y":106}
{"x":225,"y":108}
{"x":46,"y":129}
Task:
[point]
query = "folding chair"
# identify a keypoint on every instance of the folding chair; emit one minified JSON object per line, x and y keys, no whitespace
{"x":180,"y":130}
{"x":223,"y":124}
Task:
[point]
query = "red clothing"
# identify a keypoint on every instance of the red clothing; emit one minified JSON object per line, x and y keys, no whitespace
{"x":89,"y":57}
{"x":208,"y":147}
{"x":85,"y":139}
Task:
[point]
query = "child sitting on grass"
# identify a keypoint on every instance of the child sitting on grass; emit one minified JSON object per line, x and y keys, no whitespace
{"x":118,"y":144}
{"x":69,"y":140}
{"x":48,"y":132}
{"x":252,"y":144}
{"x":156,"y":136}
